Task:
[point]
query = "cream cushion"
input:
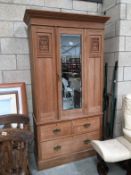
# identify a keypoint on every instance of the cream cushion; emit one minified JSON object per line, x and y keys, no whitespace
{"x":127,"y":111}
{"x":113,"y":150}
{"x":127,"y":121}
{"x":125,"y":142}
{"x":127,"y":134}
{"x":118,"y":149}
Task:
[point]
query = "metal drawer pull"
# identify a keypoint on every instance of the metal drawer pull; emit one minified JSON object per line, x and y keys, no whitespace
{"x":86,"y":141}
{"x":57,"y":148}
{"x":57,"y":130}
{"x":87,"y":125}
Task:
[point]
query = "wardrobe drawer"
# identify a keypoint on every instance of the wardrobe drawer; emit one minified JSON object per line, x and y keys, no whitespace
{"x":86,"y":125}
{"x":82,"y":142}
{"x":55,"y":130}
{"x":55,"y":148}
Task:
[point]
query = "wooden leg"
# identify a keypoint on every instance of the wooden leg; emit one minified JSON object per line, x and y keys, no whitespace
{"x":128,"y":167}
{"x":102,"y":168}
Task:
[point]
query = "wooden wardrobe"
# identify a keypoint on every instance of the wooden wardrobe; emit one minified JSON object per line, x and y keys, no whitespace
{"x":66,"y":53}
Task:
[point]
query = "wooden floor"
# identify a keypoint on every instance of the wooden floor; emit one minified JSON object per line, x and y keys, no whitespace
{"x":82,"y":167}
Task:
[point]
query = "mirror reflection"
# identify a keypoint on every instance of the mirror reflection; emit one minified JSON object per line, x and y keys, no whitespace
{"x":71,"y":71}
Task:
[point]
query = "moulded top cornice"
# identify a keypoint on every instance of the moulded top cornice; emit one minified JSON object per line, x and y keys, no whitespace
{"x":29,"y":14}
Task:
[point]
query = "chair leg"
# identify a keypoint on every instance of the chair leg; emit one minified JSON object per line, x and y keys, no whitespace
{"x":128,"y":167}
{"x":102,"y":168}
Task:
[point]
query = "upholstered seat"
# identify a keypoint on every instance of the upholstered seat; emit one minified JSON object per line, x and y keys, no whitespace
{"x":113,"y":150}
{"x":117,"y":149}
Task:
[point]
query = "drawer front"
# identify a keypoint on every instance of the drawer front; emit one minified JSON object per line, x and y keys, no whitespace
{"x":86,"y":125}
{"x":82,"y":142}
{"x":55,"y":148}
{"x":55,"y":130}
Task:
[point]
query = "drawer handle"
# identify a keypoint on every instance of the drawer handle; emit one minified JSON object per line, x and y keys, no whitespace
{"x":57,"y":130}
{"x":86,"y":141}
{"x":57,"y":148}
{"x":87,"y":125}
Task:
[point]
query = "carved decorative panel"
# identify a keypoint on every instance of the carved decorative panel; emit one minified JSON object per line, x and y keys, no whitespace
{"x":95,"y":46}
{"x":44,"y":45}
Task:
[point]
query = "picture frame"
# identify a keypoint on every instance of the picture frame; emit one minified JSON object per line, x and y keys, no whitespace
{"x":13,"y":98}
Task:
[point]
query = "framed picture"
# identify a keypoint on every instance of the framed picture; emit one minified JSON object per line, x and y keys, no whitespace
{"x":13,"y":98}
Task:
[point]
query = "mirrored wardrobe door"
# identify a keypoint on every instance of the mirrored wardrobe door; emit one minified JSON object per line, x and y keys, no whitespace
{"x":71,"y":71}
{"x":70,"y":61}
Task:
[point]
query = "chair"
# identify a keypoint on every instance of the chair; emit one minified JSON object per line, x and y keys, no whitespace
{"x":14,"y":139}
{"x":116,"y":149}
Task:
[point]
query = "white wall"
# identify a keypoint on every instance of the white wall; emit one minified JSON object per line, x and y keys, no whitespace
{"x":118,"y":47}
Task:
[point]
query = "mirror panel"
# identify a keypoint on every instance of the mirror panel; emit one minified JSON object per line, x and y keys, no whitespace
{"x":71,"y":71}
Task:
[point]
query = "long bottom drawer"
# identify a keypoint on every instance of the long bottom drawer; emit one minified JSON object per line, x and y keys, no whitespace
{"x":59,"y":147}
